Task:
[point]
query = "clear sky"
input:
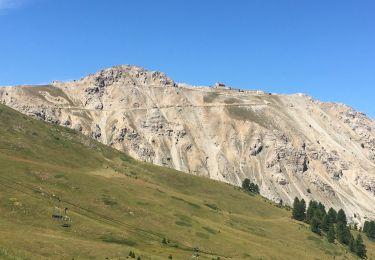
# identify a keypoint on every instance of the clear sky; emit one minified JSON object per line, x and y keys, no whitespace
{"x":324,"y":48}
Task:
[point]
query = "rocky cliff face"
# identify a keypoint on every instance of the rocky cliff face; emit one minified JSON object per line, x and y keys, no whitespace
{"x":290,"y":145}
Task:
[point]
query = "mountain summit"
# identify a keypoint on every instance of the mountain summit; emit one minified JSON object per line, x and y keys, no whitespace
{"x":290,"y":145}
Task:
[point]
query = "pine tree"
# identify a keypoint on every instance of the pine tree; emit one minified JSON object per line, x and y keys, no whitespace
{"x":360,"y":247}
{"x":352,"y":244}
{"x":246,"y":184}
{"x":366,"y":227}
{"x":314,"y":225}
{"x":343,"y":233}
{"x":295,"y":211}
{"x":325,"y":223}
{"x":302,"y":209}
{"x":370,"y":231}
{"x":340,"y":229}
{"x":322,"y":209}
{"x":341,"y":217}
{"x":256,"y":189}
{"x":332,"y":214}
{"x":331,"y":235}
{"x":298,"y":212}
{"x":311,"y":210}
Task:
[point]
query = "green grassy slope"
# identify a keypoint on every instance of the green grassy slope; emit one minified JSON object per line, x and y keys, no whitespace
{"x":118,"y":204}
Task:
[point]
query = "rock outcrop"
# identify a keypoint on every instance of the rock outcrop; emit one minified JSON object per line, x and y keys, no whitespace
{"x":290,"y":145}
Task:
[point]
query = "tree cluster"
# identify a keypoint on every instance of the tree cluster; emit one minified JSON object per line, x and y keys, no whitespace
{"x":249,"y":186}
{"x":369,"y":229}
{"x":333,"y":224}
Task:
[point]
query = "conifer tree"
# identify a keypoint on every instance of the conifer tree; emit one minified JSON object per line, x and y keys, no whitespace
{"x":298,"y":212}
{"x":352,"y":245}
{"x":322,"y":209}
{"x":314,"y":225}
{"x":311,"y":209}
{"x":343,"y":233}
{"x":369,"y":229}
{"x":360,"y":247}
{"x":302,"y":209}
{"x":331,"y":235}
{"x":332,"y":214}
{"x":295,"y":208}
{"x":256,"y":189}
{"x":325,"y":223}
{"x":246,"y":184}
{"x":366,"y":226}
{"x":341,"y":217}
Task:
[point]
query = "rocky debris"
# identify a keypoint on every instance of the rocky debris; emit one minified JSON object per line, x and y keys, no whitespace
{"x":129,"y":75}
{"x":93,"y":98}
{"x":332,"y":162}
{"x":162,"y":79}
{"x":166,"y":160}
{"x":129,"y":137}
{"x":107,"y":77}
{"x":180,"y":133}
{"x":144,"y":151}
{"x":78,"y":127}
{"x":66,"y":123}
{"x":38,"y":114}
{"x":372,"y":155}
{"x":96,"y":132}
{"x":256,"y":148}
{"x":367,"y":182}
{"x":324,"y":187}
{"x":280,"y":178}
{"x":126,"y":132}
{"x":189,"y":147}
{"x":294,"y":159}
{"x":43,"y":114}
{"x":362,"y":126}
{"x":157,"y":124}
{"x":125,"y":75}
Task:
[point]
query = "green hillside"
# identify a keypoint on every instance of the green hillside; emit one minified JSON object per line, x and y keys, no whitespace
{"x":117,"y":205}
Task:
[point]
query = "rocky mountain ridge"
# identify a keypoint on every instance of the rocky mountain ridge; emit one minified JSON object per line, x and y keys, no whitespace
{"x":290,"y":145}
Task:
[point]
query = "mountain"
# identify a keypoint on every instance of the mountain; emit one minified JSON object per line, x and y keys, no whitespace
{"x":117,"y":204}
{"x":290,"y":145}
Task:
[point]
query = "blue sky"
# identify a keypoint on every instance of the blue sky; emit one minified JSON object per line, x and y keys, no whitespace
{"x":325,"y":48}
